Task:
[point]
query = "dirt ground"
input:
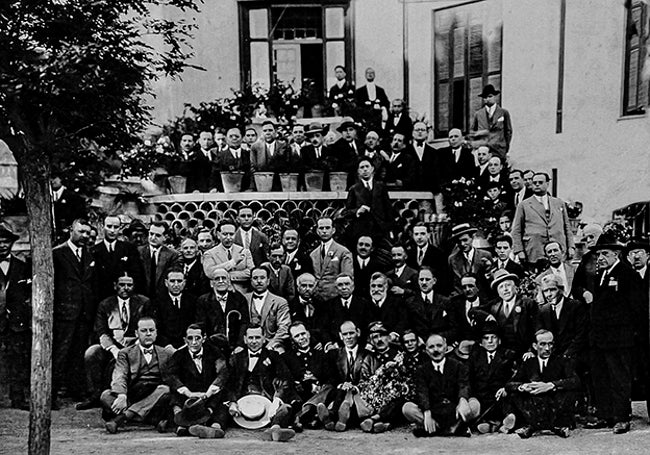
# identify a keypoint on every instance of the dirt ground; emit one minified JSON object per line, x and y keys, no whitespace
{"x":76,"y":432}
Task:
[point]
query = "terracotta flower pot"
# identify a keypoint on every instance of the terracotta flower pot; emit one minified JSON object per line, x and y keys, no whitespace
{"x":263,"y":181}
{"x":289,"y":181}
{"x":314,"y":180}
{"x":232,"y":181}
{"x":177,"y":183}
{"x":338,"y":181}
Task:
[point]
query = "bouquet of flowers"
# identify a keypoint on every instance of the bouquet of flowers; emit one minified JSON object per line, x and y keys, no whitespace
{"x":387,"y":384}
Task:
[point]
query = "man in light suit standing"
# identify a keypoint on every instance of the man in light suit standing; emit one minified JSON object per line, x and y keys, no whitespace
{"x":236,"y":260}
{"x":269,"y":155}
{"x":250,"y":237}
{"x":494,"y":119}
{"x":538,"y":220}
{"x":268,"y":310}
{"x":467,"y":259}
{"x":329,"y":259}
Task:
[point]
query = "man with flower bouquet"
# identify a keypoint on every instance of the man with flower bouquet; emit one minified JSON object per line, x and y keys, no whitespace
{"x":384,"y":382}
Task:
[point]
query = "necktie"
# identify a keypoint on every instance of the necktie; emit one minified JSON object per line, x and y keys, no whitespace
{"x":152,"y":275}
{"x":427,"y":301}
{"x":438,"y":368}
{"x":197,"y":356}
{"x":420,"y":256}
{"x":197,"y":362}
{"x":318,"y":153}
{"x":490,"y":357}
{"x":79,"y":254}
{"x":124,"y":316}
{"x":350,"y":362}
{"x":177,"y":302}
{"x":322,"y":251}
{"x":419,"y":144}
{"x":186,"y":268}
{"x":542,"y":366}
{"x":506,"y":310}
{"x":229,"y":255}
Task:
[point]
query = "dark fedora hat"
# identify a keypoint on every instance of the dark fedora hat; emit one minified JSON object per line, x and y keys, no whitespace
{"x":194,"y":412}
{"x":7,"y":233}
{"x":502,"y":275}
{"x":491,"y":327}
{"x":638,"y":243}
{"x":315,"y":128}
{"x":461,"y":229}
{"x":489,"y":90}
{"x":345,"y":122}
{"x":608,"y":241}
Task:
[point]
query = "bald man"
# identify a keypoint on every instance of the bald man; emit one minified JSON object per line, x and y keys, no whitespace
{"x":372,"y":151}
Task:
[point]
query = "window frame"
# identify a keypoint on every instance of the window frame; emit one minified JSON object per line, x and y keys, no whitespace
{"x":641,"y":106}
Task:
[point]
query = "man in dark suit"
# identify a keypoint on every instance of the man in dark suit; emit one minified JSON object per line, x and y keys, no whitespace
{"x":258,"y":370}
{"x":518,"y":189}
{"x":196,"y":283}
{"x":200,"y":164}
{"x":371,"y":95}
{"x":496,"y":176}
{"x":223,"y":308}
{"x":315,"y":156}
{"x":455,"y":161}
{"x":365,"y":264}
{"x":342,"y":91}
{"x":198,"y":371}
{"x":15,"y":318}
{"x":427,"y":308}
{"x":468,"y":311}
{"x":442,"y":394}
{"x":387,"y":309}
{"x":156,"y":258}
{"x":345,"y":152}
{"x":503,"y":250}
{"x":308,"y":309}
{"x":347,"y":362}
{"x":372,"y":150}
{"x":175,"y":309}
{"x":74,"y":308}
{"x":138,"y":389}
{"x":281,"y":280}
{"x":615,"y":314}
{"x":543,"y":390}
{"x":403,"y":279}
{"x":398,"y":119}
{"x":423,"y":253}
{"x":67,"y":207}
{"x":269,"y":155}
{"x":494,"y":119}
{"x":400,"y":164}
{"x":113,"y":257}
{"x":426,"y":178}
{"x":467,"y":259}
{"x":250,"y":238}
{"x":491,"y":366}
{"x":297,"y":257}
{"x":233,"y":158}
{"x":115,"y":328}
{"x":368,"y":206}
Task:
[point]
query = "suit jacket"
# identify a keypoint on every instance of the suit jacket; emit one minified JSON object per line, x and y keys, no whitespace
{"x":499,"y":127}
{"x":392,"y":313}
{"x":109,"y":324}
{"x":558,"y":370}
{"x":336,"y":314}
{"x":262,"y":161}
{"x":408,"y":280}
{"x":337,"y":260}
{"x":362,"y":276}
{"x":484,"y":180}
{"x":466,"y":326}
{"x":275,"y":318}
{"x":404,"y":125}
{"x":127,"y":367}
{"x":196,"y":283}
{"x":362,"y":98}
{"x":109,"y":266}
{"x":282,"y":282}
{"x":173,"y":321}
{"x":184,"y":373}
{"x":238,"y":267}
{"x":403,"y":168}
{"x":68,"y":208}
{"x":379,"y":220}
{"x":343,"y":157}
{"x":74,"y":285}
{"x":449,"y":169}
{"x":269,"y":366}
{"x":511,"y":266}
{"x":341,"y":369}
{"x":259,"y":245}
{"x":311,"y":163}
{"x":16,"y":292}
{"x":167,"y":258}
{"x":435,"y":259}
{"x":314,"y":361}
{"x":617,"y":310}
{"x":433,"y":389}
{"x":433,"y":317}
{"x":570,"y":331}
{"x":338,"y":94}
{"x":300,"y":263}
{"x":586,"y":276}
{"x":459,"y":266}
{"x":316,"y":323}
{"x":512,"y":205}
{"x":522,"y":317}
{"x":485,"y":379}
{"x":213,"y":318}
{"x":226,"y":162}
{"x":201,"y":174}
{"x":425,"y":177}
{"x":569,"y":270}
{"x":532,"y":229}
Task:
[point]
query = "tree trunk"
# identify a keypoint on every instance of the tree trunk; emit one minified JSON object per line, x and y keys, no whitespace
{"x":37,"y":192}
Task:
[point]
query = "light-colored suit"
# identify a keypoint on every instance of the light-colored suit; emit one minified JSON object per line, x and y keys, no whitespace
{"x":337,"y":260}
{"x":275,"y":318}
{"x":238,"y":267}
{"x":499,"y":128}
{"x":569,"y":271}
{"x":532,"y":229}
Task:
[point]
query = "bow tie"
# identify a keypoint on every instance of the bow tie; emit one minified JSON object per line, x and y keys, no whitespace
{"x":254,"y":354}
{"x":258,"y":296}
{"x":222,"y":299}
{"x":419,"y":144}
{"x":148,"y":351}
{"x":197,"y":356}
{"x":494,"y":179}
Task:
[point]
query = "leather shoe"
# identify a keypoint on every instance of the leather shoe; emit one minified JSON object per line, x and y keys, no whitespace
{"x":485,"y":428}
{"x":508,"y":424}
{"x":366,"y":426}
{"x":204,"y":432}
{"x":562,"y":432}
{"x":323,"y":413}
{"x":182,"y":431}
{"x":420,"y":432}
{"x":162,"y":426}
{"x":621,"y":427}
{"x":281,"y":434}
{"x":525,"y":432}
{"x":344,"y":412}
{"x":380,"y":427}
{"x":340,"y":427}
{"x":90,"y":403}
{"x":111,"y":426}
{"x":596,"y":424}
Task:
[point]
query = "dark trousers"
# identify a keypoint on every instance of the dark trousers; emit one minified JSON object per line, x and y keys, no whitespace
{"x":99,"y":365}
{"x":18,"y":358}
{"x":219,"y":415}
{"x":611,"y":371}
{"x":147,"y":400}
{"x":546,"y":411}
{"x":70,"y":343}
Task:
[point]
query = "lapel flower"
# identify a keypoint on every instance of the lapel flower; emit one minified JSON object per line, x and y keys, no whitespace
{"x":517,"y":309}
{"x":298,"y":267}
{"x":330,"y":254}
{"x":92,"y":264}
{"x":124,"y":258}
{"x":62,"y":201}
{"x":267,"y":362}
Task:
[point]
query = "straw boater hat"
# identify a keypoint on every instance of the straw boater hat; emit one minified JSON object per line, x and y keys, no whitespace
{"x":461,"y":229}
{"x":608,"y":242}
{"x":502,"y":275}
{"x":315,"y":128}
{"x":195,"y":412}
{"x":255,"y":412}
{"x":347,"y":121}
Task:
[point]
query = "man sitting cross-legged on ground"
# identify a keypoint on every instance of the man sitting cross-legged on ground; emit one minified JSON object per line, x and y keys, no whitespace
{"x":197,"y":376}
{"x":442,"y":393}
{"x":543,"y":390}
{"x":138,"y":391}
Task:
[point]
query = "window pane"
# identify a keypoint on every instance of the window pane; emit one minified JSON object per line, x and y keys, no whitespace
{"x":258,"y":23}
{"x":494,"y":49}
{"x":335,"y":55}
{"x":475,"y":89}
{"x":459,"y":52}
{"x":442,"y":55}
{"x":633,"y":72}
{"x":260,"y":63}
{"x":334,"y":23}
{"x":442,"y":117}
{"x":291,"y":23}
{"x":476,"y":50}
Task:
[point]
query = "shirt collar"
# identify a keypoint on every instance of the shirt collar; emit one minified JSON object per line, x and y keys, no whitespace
{"x":352,"y":351}
{"x":440,"y":365}
{"x":328,"y":244}
{"x":428,"y":295}
{"x":73,"y":247}
{"x":400,"y":270}
{"x":121,"y":302}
